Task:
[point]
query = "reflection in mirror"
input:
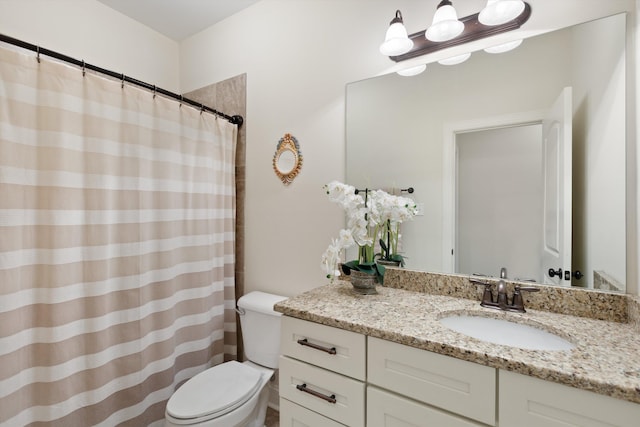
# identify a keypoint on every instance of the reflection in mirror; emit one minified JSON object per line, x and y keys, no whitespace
{"x":413,"y":130}
{"x":287,"y":161}
{"x":513,"y":171}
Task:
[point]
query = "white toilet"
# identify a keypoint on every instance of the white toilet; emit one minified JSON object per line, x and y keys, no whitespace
{"x":234,"y":394}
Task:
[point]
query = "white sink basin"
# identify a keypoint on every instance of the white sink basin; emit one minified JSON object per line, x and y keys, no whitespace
{"x":504,"y":332}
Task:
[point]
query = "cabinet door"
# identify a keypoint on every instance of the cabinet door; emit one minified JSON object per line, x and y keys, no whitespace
{"x":390,"y":410}
{"x":455,"y":385}
{"x":531,"y":402}
{"x":335,"y":396}
{"x":330,"y":348}
{"x":292,"y":415}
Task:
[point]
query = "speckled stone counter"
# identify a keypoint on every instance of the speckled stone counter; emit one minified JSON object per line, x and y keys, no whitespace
{"x":606,"y":358}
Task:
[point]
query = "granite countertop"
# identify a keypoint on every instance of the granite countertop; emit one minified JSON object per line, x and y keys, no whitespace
{"x":606,"y":359}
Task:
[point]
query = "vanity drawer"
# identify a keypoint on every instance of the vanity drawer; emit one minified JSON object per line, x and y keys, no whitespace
{"x":307,"y":341}
{"x":458,"y":386}
{"x":386,"y":409}
{"x":292,"y":415}
{"x":348,"y":394}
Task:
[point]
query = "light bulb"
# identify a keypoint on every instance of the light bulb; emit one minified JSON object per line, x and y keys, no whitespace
{"x":504,"y":47}
{"x":498,"y":12}
{"x":445,"y":25}
{"x":412,"y":71}
{"x":396,"y":41}
{"x":454,"y":60}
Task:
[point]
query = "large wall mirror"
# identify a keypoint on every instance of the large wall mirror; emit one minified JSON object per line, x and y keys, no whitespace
{"x":470,"y":139}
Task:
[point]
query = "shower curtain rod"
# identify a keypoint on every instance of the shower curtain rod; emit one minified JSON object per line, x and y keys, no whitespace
{"x":236,"y":119}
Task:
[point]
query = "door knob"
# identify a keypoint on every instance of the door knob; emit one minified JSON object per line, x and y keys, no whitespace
{"x":578,"y":275}
{"x":554,"y":273}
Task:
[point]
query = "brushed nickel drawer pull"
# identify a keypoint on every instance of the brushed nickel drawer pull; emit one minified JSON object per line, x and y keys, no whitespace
{"x":331,"y":350}
{"x":330,"y":399}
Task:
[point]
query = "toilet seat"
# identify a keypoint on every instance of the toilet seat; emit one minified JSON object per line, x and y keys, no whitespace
{"x":214,"y":392}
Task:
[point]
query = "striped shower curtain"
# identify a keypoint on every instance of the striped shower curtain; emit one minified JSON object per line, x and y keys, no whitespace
{"x":117,"y":213}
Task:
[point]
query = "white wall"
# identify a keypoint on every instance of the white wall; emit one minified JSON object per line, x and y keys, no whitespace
{"x":298,"y":56}
{"x":633,"y":154}
{"x":90,"y":31}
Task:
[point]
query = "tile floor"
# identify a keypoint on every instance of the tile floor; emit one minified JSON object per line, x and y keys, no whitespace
{"x":273,"y":418}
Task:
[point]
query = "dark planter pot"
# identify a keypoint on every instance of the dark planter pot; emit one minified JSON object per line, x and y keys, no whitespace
{"x":363,"y":283}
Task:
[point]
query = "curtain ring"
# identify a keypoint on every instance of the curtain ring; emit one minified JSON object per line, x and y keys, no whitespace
{"x":180,"y":106}
{"x":154,"y":91}
{"x":83,"y":69}
{"x":122,"y":82}
{"x":38,"y":53}
{"x":201,"y":109}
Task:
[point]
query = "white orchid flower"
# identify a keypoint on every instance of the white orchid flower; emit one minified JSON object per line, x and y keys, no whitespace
{"x":369,"y":219}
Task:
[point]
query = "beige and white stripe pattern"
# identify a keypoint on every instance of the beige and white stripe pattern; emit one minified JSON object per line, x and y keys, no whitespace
{"x":117,"y":213}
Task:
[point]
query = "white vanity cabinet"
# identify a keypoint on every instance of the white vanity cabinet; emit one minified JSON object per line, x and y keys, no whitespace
{"x":357,"y":380}
{"x":531,"y":402}
{"x":459,"y":387}
{"x":385,"y":409}
{"x":322,"y":374}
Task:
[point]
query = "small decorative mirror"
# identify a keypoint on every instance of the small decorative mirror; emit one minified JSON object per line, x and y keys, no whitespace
{"x":287,"y":161}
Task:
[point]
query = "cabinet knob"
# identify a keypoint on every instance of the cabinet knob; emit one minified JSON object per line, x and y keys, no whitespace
{"x":304,"y":388}
{"x":305,"y":342}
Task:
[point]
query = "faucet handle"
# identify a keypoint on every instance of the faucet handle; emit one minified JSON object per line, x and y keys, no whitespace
{"x":479,"y":282}
{"x":518,"y":302}
{"x":487,"y":296}
{"x":519,"y":288}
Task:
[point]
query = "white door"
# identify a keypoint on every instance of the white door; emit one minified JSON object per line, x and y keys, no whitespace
{"x":557,"y":165}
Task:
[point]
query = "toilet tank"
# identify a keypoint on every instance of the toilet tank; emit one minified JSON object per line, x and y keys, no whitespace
{"x":260,"y":327}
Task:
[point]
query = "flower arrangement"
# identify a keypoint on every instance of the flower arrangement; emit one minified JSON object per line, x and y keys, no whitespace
{"x":374,"y":218}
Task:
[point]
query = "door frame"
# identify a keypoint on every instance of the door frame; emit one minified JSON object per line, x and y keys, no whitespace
{"x":450,"y":171}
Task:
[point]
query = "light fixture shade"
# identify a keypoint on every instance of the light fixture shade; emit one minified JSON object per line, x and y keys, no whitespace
{"x":396,"y":41}
{"x":412,"y":71}
{"x":504,"y":47}
{"x":498,"y":12}
{"x":454,"y":60}
{"x":445,"y":25}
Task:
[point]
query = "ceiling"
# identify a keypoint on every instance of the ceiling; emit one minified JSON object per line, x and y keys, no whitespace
{"x":178,"y":19}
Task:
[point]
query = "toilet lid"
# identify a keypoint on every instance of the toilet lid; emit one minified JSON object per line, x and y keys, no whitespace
{"x":215,"y":392}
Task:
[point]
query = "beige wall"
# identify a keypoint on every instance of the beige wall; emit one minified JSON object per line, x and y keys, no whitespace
{"x":297,"y":64}
{"x":90,"y":31}
{"x":298,"y":56}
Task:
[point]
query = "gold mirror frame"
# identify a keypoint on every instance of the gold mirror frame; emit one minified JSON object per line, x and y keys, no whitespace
{"x":287,"y":145}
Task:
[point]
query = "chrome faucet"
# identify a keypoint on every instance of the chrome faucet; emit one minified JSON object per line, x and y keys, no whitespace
{"x":502,"y":294}
{"x":502,"y":300}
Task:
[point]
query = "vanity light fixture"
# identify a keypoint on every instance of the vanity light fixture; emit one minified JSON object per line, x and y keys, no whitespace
{"x":454,"y":60}
{"x":472,"y":29}
{"x":500,"y":11}
{"x":445,"y":25}
{"x":396,"y":41}
{"x":504,"y":47}
{"x":412,"y":71}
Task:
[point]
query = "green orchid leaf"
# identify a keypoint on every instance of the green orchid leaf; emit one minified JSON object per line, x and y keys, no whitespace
{"x":384,"y":247}
{"x":380,"y":269}
{"x":399,"y":258}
